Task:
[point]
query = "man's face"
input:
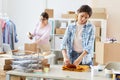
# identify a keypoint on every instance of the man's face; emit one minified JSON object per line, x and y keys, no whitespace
{"x":83,"y":17}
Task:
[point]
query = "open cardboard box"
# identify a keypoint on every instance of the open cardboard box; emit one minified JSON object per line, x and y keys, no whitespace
{"x":30,"y":47}
{"x":60,"y":30}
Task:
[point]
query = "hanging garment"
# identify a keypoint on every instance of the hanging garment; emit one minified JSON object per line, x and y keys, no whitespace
{"x":1,"y":36}
{"x":9,"y":34}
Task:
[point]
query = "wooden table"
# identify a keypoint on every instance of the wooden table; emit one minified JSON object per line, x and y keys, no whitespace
{"x":56,"y":73}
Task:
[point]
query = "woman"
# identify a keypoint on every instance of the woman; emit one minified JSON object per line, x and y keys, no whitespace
{"x":42,"y":34}
{"x":78,"y":42}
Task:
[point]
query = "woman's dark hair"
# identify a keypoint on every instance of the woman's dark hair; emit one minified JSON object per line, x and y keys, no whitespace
{"x":45,"y":15}
{"x":85,"y":8}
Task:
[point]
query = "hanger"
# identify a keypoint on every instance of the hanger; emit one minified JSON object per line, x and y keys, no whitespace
{"x":5,"y":16}
{"x":1,"y":15}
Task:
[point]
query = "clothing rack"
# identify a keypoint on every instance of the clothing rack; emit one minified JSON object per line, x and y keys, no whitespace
{"x":1,"y":36}
{"x":8,"y":33}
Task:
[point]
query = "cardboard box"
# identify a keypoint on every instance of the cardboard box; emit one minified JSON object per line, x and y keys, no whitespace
{"x":96,"y":23}
{"x":69,"y":16}
{"x":60,"y":30}
{"x":99,"y":16}
{"x":5,"y":61}
{"x":99,"y":10}
{"x":50,"y":12}
{"x":107,"y":52}
{"x":97,"y":39}
{"x":94,"y":60}
{"x":2,"y":75}
{"x":71,"y":12}
{"x":98,"y":31}
{"x":15,"y":78}
{"x":30,"y":48}
{"x":12,"y":77}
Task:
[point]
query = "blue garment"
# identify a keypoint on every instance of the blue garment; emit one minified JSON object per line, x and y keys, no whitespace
{"x":9,"y":34}
{"x":88,"y":37}
{"x":1,"y":39}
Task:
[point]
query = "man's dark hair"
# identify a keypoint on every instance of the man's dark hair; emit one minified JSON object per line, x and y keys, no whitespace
{"x":85,"y":8}
{"x":45,"y":15}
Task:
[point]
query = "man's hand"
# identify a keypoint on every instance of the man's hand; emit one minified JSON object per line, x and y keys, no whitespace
{"x":66,"y":61}
{"x":65,"y":57}
{"x":77,"y":61}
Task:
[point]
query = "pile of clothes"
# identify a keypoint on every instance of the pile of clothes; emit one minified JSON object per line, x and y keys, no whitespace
{"x":26,"y":63}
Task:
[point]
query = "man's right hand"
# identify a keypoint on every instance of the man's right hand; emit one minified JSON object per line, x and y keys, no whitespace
{"x":67,"y":61}
{"x":65,"y":57}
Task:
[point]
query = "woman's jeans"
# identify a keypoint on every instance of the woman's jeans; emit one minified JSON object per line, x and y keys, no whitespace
{"x":74,"y":55}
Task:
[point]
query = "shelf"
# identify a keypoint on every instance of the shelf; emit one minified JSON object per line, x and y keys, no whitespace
{"x":58,"y":34}
{"x":97,"y":19}
{"x":62,"y":19}
{"x":55,"y":50}
{"x":57,"y":38}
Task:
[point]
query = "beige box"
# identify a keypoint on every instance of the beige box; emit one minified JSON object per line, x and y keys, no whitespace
{"x":98,"y":31}
{"x":15,"y":78}
{"x":97,"y":39}
{"x":2,"y":75}
{"x":107,"y":52}
{"x":12,"y":77}
{"x":99,"y":10}
{"x":30,"y":47}
{"x":71,"y":12}
{"x":60,"y":30}
{"x":96,"y":23}
{"x":99,"y":16}
{"x":50,"y":12}
{"x":69,"y":16}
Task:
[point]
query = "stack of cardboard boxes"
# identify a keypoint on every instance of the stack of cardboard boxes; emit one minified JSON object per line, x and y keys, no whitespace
{"x":98,"y":13}
{"x":69,"y":15}
{"x":105,"y":52}
{"x":50,"y":12}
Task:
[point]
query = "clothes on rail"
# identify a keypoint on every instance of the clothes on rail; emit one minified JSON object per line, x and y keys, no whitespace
{"x":9,"y":32}
{"x":1,"y":47}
